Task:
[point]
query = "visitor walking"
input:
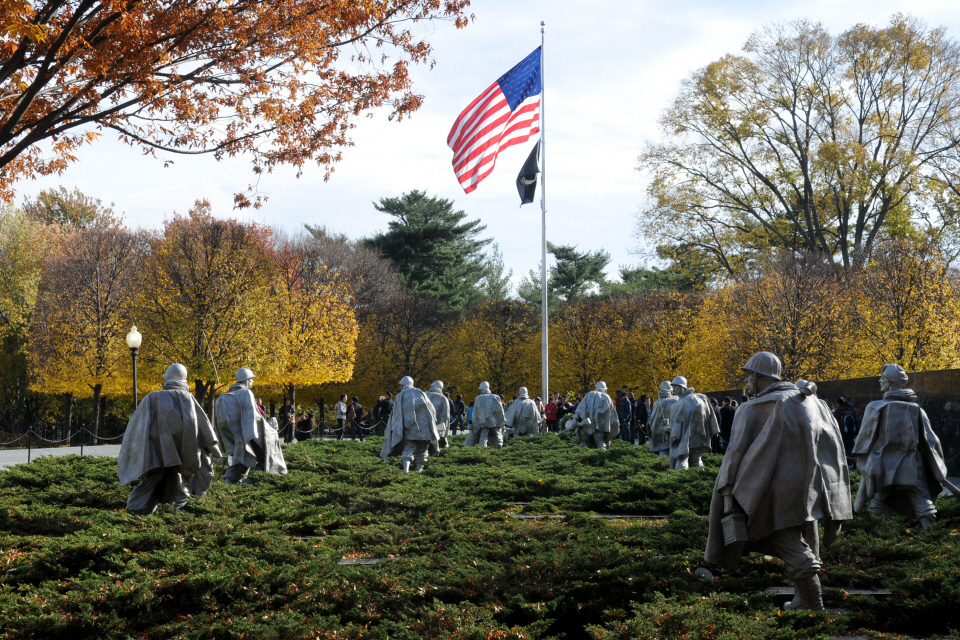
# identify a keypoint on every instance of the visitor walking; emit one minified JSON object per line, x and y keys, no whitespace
{"x":341,"y":416}
{"x":354,"y":413}
{"x":287,"y":421}
{"x":550,"y":412}
{"x":847,"y":421}
{"x":641,"y":413}
{"x":727,"y":412}
{"x":459,"y":412}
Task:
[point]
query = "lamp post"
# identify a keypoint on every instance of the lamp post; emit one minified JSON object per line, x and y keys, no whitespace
{"x":133,"y":341}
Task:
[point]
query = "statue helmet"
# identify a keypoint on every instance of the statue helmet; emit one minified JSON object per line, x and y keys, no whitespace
{"x":176,"y":371}
{"x":679,"y":381}
{"x":666,"y":386}
{"x":764,"y":363}
{"x":485,"y":387}
{"x":245,"y":374}
{"x":895,"y":374}
{"x":406,"y":381}
{"x":436,"y":386}
{"x":523,"y":393}
{"x":601,"y":386}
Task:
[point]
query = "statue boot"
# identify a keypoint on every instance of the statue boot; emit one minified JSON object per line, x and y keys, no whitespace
{"x":406,"y":466}
{"x":808,"y":594}
{"x":926,"y":521}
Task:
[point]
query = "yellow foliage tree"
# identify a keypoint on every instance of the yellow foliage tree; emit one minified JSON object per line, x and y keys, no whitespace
{"x":584,"y":343}
{"x":499,"y":342}
{"x":906,"y":309}
{"x":208,"y":300}
{"x":315,"y":335}
{"x":24,"y":243}
{"x":662,"y":326}
{"x":82,"y":315}
{"x":797,"y":310}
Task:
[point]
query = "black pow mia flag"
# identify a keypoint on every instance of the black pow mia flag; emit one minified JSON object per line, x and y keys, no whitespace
{"x":527,"y":179}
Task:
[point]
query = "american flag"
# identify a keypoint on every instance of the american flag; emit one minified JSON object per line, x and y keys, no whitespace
{"x":505,"y":114}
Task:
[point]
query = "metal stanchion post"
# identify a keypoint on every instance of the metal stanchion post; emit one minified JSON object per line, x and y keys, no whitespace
{"x":29,"y":443}
{"x":81,"y":439}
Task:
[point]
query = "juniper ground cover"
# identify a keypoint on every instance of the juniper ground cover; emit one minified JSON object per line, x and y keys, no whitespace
{"x":262,"y":561}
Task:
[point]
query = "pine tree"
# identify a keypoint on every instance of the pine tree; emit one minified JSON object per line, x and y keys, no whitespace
{"x":436,"y":251}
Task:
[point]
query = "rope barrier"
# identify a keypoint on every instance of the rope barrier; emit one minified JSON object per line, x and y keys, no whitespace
{"x":105,"y":438}
{"x":31,"y":433}
{"x":39,"y":437}
{"x":3,"y":444}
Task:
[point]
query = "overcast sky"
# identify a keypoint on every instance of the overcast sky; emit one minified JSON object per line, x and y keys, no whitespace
{"x":611,"y":68}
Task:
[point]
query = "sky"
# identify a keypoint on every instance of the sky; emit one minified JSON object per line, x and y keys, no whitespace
{"x":611,"y":67}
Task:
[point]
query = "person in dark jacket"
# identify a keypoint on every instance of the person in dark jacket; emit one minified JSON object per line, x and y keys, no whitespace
{"x":847,"y":421}
{"x":305,"y":427}
{"x":727,"y":413}
{"x":382,"y":412}
{"x":625,"y":411}
{"x":458,"y":415}
{"x":640,"y":418}
{"x":286,"y":422}
{"x":356,"y":427}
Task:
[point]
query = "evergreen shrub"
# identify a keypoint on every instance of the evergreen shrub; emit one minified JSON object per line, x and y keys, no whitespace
{"x":261,"y":560}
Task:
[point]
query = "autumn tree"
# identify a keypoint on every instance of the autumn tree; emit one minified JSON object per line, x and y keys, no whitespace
{"x":82,"y":315}
{"x":410,"y":335}
{"x":585,"y":337}
{"x":370,"y":279}
{"x":906,"y":309}
{"x":68,"y":209}
{"x":659,"y":324}
{"x":808,"y":142}
{"x":796,"y":308}
{"x":280,"y":81}
{"x":208,"y":300}
{"x":499,"y":341}
{"x":24,"y":243}
{"x":314,"y":339}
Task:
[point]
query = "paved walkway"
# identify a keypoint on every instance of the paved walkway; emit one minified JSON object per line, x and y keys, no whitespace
{"x":10,"y":457}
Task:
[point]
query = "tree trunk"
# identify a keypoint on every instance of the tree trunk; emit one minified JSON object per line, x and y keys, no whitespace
{"x":200,"y":391}
{"x":67,"y":416}
{"x":103,"y":416}
{"x":95,"y":417}
{"x":211,"y":389}
{"x":292,"y":390}
{"x":273,"y":409}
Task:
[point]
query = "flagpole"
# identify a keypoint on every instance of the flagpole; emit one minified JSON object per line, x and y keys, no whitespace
{"x":545,"y":342}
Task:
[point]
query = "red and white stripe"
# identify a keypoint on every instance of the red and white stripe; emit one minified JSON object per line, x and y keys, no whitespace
{"x":484,"y":129}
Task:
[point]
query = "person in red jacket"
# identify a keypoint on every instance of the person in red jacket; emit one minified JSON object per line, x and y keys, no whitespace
{"x":551,"y":412}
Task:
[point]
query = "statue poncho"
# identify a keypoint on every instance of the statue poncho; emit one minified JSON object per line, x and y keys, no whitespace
{"x":523,"y":417}
{"x":897,"y":449}
{"x":169,"y":445}
{"x":441,"y":408}
{"x":693,"y":423}
{"x":488,"y":421}
{"x":411,"y":430}
{"x":786,"y":468}
{"x":249,"y":442}
{"x":659,"y":419}
{"x":597,"y":420}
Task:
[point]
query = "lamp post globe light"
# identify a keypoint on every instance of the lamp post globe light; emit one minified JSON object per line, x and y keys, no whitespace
{"x":133,"y":341}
